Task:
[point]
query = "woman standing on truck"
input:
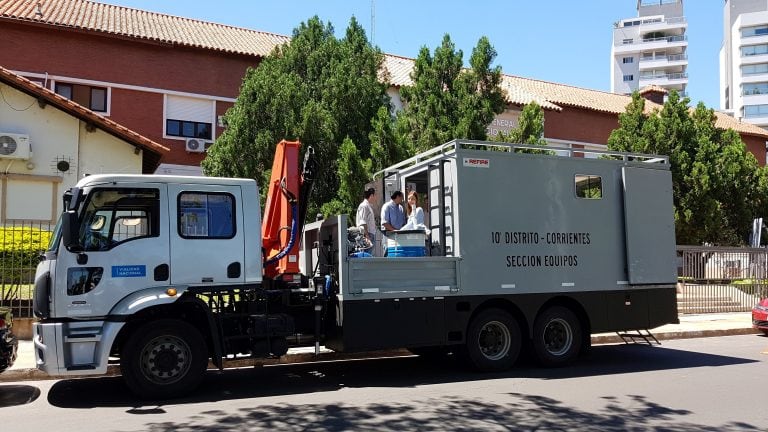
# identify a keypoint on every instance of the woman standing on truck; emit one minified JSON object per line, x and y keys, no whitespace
{"x":414,"y":212}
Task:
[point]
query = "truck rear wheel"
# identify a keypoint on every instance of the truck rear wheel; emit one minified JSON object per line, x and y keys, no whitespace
{"x":164,"y":359}
{"x":493,"y":341}
{"x":557,"y":337}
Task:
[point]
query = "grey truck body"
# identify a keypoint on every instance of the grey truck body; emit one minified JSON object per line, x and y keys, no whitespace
{"x":507,"y":226}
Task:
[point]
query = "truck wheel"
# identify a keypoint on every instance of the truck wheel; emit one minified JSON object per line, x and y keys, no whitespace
{"x":493,"y":341}
{"x":556,"y":337}
{"x":164,"y":359}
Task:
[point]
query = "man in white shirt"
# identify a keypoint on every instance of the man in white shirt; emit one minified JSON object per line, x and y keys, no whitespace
{"x":365,"y":218}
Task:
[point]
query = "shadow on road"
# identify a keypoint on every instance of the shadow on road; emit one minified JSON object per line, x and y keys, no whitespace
{"x":280,"y":380}
{"x":12,"y":395}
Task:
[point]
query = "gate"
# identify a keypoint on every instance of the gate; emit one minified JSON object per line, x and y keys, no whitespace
{"x":720,"y":279}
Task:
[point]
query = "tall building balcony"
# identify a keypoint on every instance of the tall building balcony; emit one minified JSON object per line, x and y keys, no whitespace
{"x":663,"y":25}
{"x":656,"y":43}
{"x":677,"y":80}
{"x":663,"y":62}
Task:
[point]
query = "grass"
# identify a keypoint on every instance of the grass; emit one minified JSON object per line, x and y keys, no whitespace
{"x":9,"y":292}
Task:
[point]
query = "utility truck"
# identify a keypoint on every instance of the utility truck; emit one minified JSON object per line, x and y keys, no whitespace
{"x":525,"y":249}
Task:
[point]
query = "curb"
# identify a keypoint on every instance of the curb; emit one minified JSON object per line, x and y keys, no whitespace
{"x":32,"y":374}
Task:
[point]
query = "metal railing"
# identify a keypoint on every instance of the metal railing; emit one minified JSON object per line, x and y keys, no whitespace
{"x":20,"y":245}
{"x":676,"y":57}
{"x":719,"y":279}
{"x":678,"y":38}
{"x":672,"y":76}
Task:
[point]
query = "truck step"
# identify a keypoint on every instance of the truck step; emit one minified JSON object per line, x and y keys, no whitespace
{"x":636,"y":336}
{"x":81,"y":367}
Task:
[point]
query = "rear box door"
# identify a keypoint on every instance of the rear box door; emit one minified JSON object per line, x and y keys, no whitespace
{"x":649,"y":226}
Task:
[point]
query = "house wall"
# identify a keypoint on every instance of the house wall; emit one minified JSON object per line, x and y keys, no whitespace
{"x":576,"y":124}
{"x":63,"y":150}
{"x":137,"y":74}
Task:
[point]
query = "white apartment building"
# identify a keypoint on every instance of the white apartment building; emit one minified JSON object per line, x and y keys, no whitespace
{"x":744,"y":61}
{"x":651,"y":49}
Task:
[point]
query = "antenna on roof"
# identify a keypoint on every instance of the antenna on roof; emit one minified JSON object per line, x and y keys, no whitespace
{"x":373,"y":21}
{"x":39,"y":11}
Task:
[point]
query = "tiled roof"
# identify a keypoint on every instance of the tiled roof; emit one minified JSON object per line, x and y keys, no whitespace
{"x":123,"y":21}
{"x":724,"y":121}
{"x":653,"y":88}
{"x":127,"y":22}
{"x":152,"y":149}
{"x":521,"y":91}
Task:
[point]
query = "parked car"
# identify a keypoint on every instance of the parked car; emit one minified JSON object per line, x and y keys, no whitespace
{"x":760,"y":316}
{"x":9,"y":345}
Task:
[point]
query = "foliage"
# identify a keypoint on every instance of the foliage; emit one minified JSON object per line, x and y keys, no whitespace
{"x":529,"y":129}
{"x":718,"y":187}
{"x":19,"y":248}
{"x":447,"y":101}
{"x":317,"y":89}
{"x":353,"y":173}
{"x":386,"y":150}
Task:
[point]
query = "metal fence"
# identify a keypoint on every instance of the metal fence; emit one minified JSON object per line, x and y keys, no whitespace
{"x":719,"y":279}
{"x":20,"y":245}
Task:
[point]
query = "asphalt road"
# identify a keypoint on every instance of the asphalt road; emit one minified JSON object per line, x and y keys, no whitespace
{"x":707,"y":384}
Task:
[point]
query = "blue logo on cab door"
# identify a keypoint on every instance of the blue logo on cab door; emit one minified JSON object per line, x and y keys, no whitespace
{"x":129,"y":271}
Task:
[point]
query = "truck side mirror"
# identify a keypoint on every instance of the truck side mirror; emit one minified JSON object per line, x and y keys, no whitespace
{"x":70,"y":230}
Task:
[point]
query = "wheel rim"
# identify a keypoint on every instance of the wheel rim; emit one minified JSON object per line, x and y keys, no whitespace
{"x":494,"y":340}
{"x":558,"y":337}
{"x":165,"y":359}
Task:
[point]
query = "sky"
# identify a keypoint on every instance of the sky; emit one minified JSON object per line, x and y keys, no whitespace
{"x":567,"y":42}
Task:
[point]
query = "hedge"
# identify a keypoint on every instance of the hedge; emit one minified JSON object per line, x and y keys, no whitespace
{"x":19,"y":251}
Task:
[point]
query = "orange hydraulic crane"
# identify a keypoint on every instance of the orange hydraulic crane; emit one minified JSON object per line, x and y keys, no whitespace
{"x":285,"y":210}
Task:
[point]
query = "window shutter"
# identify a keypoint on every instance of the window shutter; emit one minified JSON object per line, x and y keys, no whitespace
{"x":190,"y":109}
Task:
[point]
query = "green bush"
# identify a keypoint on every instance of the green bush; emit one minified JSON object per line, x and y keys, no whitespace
{"x":19,"y":249}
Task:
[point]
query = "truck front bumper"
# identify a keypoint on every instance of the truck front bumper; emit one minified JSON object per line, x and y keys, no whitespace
{"x":80,"y":348}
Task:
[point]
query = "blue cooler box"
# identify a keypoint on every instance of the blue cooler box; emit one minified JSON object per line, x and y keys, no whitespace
{"x":410,"y":243}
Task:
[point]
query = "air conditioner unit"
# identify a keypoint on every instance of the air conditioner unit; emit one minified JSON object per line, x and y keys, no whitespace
{"x":14,"y":146}
{"x":195,"y":145}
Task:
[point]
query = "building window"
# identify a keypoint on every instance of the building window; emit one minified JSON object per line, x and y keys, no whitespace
{"x":759,"y":68}
{"x":589,"y":186}
{"x":189,"y":117}
{"x":754,"y":89}
{"x":755,"y":111}
{"x":754,"y":50}
{"x":204,"y":215}
{"x":98,"y":99}
{"x":64,"y":90}
{"x":761,"y":30}
{"x":629,"y":78}
{"x":188,"y":129}
{"x":93,"y":98}
{"x":626,"y":60}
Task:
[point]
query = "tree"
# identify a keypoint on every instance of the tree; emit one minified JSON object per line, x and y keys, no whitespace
{"x":386,"y":149}
{"x":353,"y":173}
{"x":529,"y":129}
{"x":446,"y":101}
{"x":317,"y":89}
{"x":718,"y":187}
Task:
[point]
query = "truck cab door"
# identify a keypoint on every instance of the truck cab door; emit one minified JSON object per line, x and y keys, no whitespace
{"x":123,"y":237}
{"x":207,"y":234}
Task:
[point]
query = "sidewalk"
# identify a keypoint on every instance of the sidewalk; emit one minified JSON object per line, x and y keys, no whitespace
{"x":691,"y":326}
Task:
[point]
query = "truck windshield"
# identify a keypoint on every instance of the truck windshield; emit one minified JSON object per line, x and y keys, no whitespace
{"x":53,"y":243}
{"x":114,"y":216}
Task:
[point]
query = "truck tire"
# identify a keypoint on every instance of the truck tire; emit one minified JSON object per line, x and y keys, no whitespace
{"x":164,"y":359}
{"x":557,"y":337}
{"x":493,"y":341}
